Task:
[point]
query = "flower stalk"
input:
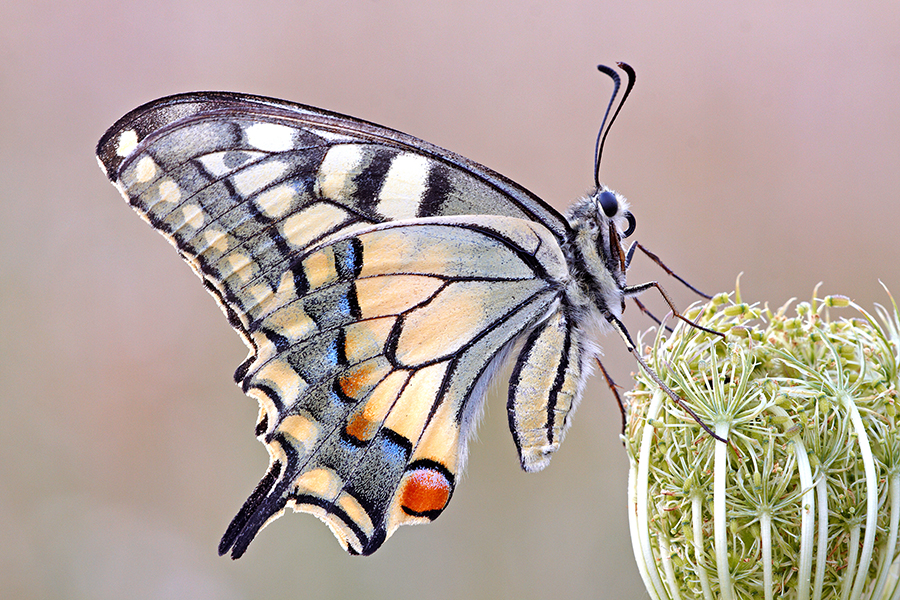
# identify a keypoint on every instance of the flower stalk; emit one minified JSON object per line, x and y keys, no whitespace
{"x":804,"y":500}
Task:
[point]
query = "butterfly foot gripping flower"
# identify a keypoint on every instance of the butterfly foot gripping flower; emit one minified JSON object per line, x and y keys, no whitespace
{"x":804,"y":499}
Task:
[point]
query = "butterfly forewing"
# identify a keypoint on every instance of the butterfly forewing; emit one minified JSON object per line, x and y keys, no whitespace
{"x":456,"y":185}
{"x":374,"y":306}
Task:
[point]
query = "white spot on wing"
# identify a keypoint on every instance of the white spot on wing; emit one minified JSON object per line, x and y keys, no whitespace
{"x":240,"y":265}
{"x":128,"y":141}
{"x":312,"y":222}
{"x":216,"y":238}
{"x":403,"y":187}
{"x":215,"y":163}
{"x":193,"y":215}
{"x":145,"y":170}
{"x":276,"y":202}
{"x":270,"y":137}
{"x":254,"y":178}
{"x":338,"y":167}
{"x":169,"y":191}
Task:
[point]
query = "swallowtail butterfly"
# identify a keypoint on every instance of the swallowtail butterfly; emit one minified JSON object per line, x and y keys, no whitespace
{"x":378,"y":281}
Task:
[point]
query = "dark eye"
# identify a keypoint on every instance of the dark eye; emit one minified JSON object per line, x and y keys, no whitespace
{"x":608,"y":203}
{"x":631,"y":224}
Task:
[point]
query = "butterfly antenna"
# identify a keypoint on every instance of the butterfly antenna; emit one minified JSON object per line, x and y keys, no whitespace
{"x":604,"y":129}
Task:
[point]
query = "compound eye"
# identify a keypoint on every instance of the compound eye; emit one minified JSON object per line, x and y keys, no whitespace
{"x":631,"y":224}
{"x":608,"y":203}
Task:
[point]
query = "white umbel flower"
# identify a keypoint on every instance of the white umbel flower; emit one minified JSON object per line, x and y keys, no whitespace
{"x":804,"y":500}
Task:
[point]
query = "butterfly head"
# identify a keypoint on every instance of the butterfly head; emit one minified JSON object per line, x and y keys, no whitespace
{"x":599,"y":223}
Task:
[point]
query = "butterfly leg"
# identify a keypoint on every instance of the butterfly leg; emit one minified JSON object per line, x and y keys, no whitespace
{"x":613,"y":387}
{"x":634,"y":290}
{"x":637,"y":246}
{"x":629,"y":343}
{"x":652,"y":317}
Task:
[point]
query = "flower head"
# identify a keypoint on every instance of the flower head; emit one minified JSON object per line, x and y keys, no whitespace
{"x":804,"y":500}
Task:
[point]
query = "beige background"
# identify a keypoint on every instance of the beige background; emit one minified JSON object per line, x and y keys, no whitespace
{"x":761,"y":137}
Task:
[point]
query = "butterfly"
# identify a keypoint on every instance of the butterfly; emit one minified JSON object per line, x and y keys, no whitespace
{"x":378,"y":281}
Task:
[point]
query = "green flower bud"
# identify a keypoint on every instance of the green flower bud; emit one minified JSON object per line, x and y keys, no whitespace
{"x":804,"y":499}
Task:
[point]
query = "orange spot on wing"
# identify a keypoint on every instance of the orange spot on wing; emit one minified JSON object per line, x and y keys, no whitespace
{"x":425,"y":491}
{"x":355,"y":382}
{"x":366,"y":419}
{"x":360,"y":427}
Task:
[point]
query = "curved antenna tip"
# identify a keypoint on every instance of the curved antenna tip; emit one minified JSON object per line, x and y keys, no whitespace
{"x":604,"y":128}
{"x":608,"y":70}
{"x":625,"y":67}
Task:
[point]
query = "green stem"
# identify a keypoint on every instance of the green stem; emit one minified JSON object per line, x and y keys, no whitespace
{"x":868,"y":461}
{"x":887,"y":556}
{"x":720,"y":518}
{"x":807,"y":511}
{"x":765,"y":533}
{"x":647,"y":566}
{"x":852,"y":552}
{"x":699,"y":553}
{"x":822,"y":549}
{"x":665,"y":557}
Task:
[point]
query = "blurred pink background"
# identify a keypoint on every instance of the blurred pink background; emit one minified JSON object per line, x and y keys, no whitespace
{"x":761,"y":137}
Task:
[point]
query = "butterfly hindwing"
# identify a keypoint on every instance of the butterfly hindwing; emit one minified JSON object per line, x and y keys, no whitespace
{"x":376,"y":279}
{"x":365,"y":406}
{"x":545,"y":386}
